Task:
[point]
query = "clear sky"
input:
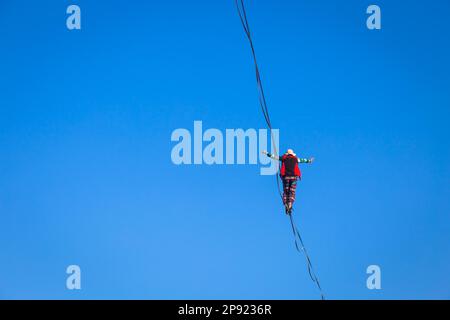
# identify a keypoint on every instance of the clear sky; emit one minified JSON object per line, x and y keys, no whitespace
{"x":86,"y":176}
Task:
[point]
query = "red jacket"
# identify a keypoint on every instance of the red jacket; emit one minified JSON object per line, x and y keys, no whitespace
{"x":289,"y":166}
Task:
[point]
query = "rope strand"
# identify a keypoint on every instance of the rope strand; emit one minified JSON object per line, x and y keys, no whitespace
{"x":265,"y":110}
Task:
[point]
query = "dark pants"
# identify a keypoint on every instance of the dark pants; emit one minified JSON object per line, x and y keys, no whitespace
{"x":289,"y":187}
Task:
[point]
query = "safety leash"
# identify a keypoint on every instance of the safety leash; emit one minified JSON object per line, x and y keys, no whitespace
{"x":263,"y":104}
{"x":302,"y":249}
{"x":261,"y":96}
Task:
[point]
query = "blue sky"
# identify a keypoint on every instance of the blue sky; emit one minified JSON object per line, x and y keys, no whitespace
{"x":86,"y":176}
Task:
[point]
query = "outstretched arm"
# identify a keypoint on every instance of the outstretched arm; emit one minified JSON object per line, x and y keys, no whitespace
{"x":304,"y":160}
{"x":272,"y":156}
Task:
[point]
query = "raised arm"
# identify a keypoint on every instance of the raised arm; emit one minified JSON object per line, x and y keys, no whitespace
{"x":272,"y":156}
{"x":304,"y":160}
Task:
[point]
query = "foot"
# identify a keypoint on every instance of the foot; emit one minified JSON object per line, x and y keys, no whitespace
{"x":288,"y":208}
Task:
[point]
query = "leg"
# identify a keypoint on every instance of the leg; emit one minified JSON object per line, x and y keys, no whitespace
{"x":285,"y":190}
{"x":288,"y":194}
{"x":292,"y":189}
